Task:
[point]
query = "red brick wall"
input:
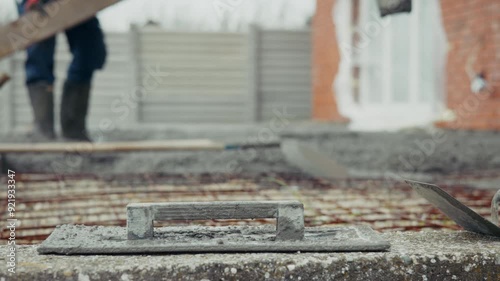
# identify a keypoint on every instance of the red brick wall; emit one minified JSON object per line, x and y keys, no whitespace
{"x":326,"y":59}
{"x":473,"y":33}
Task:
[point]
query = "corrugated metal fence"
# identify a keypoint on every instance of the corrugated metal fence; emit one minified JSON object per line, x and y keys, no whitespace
{"x":157,"y":77}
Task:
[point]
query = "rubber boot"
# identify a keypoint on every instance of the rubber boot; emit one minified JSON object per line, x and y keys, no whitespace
{"x":74,"y":108}
{"x":42,"y":102}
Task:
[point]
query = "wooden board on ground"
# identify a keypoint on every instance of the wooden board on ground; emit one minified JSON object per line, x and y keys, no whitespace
{"x":87,"y":148}
{"x":38,"y":25}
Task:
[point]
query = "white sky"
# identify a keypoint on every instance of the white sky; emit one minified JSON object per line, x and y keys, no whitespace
{"x":198,"y":14}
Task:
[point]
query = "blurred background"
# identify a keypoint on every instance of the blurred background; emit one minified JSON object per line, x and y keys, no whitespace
{"x":408,"y":95}
{"x":336,"y":61}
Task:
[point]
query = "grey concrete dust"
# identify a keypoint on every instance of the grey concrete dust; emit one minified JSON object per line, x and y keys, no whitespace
{"x":409,"y":151}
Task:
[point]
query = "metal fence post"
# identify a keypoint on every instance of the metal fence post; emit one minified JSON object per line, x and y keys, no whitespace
{"x":3,"y":103}
{"x":8,"y":109}
{"x":135,"y":81}
{"x":254,"y":102}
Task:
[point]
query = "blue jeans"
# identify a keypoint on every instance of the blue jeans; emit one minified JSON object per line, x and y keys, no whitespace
{"x":86,"y":43}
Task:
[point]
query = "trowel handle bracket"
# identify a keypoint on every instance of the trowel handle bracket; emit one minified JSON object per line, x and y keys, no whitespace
{"x":289,"y":215}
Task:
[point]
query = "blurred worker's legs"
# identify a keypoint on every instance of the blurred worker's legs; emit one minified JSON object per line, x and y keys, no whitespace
{"x":39,"y":80}
{"x":40,"y":83}
{"x":86,"y":42}
{"x":87,"y":45}
{"x":42,"y":102}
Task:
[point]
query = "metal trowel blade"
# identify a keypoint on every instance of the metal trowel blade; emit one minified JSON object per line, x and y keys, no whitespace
{"x":458,"y":212}
{"x":312,"y":162}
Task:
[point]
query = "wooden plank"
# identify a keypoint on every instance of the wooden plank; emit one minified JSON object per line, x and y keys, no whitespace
{"x":38,"y":25}
{"x":88,"y":148}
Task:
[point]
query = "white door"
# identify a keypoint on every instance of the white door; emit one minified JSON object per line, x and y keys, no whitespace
{"x":400,"y":61}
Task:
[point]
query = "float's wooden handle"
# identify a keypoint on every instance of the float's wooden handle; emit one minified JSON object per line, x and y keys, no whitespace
{"x":289,"y":215}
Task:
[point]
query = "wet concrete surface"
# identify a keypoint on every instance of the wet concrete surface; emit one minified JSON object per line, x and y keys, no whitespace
{"x":424,"y":151}
{"x":454,"y":158}
{"x":46,"y":201}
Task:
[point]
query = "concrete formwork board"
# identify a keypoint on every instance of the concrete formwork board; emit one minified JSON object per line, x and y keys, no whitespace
{"x":430,"y":255}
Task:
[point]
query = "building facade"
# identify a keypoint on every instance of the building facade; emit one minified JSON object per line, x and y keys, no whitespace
{"x":439,"y":65}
